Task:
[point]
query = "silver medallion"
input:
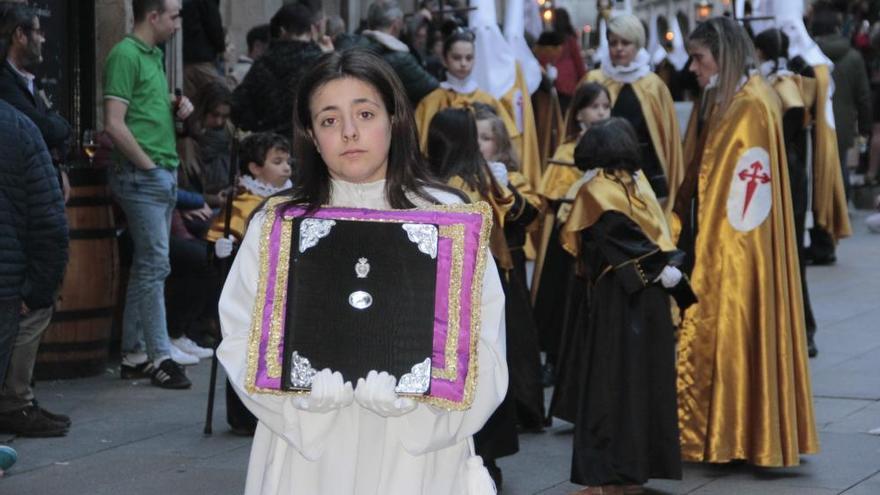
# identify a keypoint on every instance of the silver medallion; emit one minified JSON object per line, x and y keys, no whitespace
{"x":362,"y":268}
{"x":360,"y":299}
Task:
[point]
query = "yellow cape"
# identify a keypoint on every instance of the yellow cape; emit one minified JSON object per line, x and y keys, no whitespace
{"x":500,"y":200}
{"x":662,"y":121}
{"x":242,"y":206}
{"x":829,"y":198}
{"x":441,"y":99}
{"x":743,"y":381}
{"x":602,"y":193}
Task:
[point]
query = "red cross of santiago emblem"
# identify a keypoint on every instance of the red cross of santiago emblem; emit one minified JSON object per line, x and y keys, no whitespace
{"x":753,"y":180}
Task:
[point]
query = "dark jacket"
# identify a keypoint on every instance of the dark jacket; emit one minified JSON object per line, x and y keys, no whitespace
{"x":264,"y":100}
{"x":416,"y":80}
{"x":203,"y":36}
{"x":33,"y":228}
{"x":852,"y":94}
{"x":53,"y":127}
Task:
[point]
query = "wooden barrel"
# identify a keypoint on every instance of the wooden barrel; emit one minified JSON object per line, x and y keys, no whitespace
{"x":77,"y":342}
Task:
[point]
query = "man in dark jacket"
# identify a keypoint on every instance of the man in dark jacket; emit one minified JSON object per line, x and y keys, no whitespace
{"x":21,"y":36}
{"x":852,"y":92}
{"x":264,"y":100}
{"x":20,"y":29}
{"x":385,"y":22}
{"x":33,"y":247}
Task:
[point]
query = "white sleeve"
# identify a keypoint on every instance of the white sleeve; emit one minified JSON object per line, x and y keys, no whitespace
{"x":307,"y":432}
{"x":428,"y":428}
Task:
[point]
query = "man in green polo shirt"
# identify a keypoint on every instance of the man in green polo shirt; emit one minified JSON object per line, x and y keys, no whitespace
{"x":138,"y":117}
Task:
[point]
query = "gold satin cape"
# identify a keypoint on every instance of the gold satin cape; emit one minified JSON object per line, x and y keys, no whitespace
{"x":242,"y":206}
{"x":743,"y":379}
{"x":501,"y":200}
{"x":441,"y":99}
{"x":829,"y":198}
{"x":661,"y":119}
{"x":602,"y":193}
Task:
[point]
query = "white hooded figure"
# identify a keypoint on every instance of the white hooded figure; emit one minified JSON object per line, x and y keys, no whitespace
{"x":655,"y":49}
{"x":514,"y":32}
{"x":678,"y":56}
{"x":494,"y":59}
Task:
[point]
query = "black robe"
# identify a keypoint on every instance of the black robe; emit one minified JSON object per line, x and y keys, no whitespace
{"x":627,"y":424}
{"x":628,"y":107}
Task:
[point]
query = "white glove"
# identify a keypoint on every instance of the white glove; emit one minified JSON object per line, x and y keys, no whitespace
{"x":670,"y":276}
{"x":377,"y":394}
{"x":499,"y":171}
{"x":223,"y":247}
{"x":552,"y":72}
{"x":328,"y":393}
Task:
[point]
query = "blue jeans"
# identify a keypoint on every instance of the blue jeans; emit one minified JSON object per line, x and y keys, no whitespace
{"x":147,"y":197}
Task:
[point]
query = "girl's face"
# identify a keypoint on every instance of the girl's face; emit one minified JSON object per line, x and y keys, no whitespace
{"x":459,"y":60}
{"x":623,"y":51}
{"x":217,"y":117}
{"x":598,"y":110}
{"x":275,"y":170}
{"x":703,"y":64}
{"x":486,"y":138}
{"x":351,"y":129}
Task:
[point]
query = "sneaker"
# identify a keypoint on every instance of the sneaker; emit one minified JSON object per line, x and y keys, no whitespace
{"x":28,"y":422}
{"x":134,"y":366}
{"x":181,"y":357}
{"x":188,"y":346}
{"x":170,"y":375}
{"x":58,"y":418}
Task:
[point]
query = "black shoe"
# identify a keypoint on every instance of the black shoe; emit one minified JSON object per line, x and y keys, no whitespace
{"x":495,"y":473}
{"x":29,"y":422}
{"x":812,"y":350}
{"x":829,"y":259}
{"x":170,"y":375}
{"x":128,"y":371}
{"x":58,"y":418}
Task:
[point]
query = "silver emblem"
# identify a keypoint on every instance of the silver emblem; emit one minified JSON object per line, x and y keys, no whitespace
{"x":424,"y":235}
{"x":362,"y":268}
{"x":301,"y":371}
{"x":360,"y":299}
{"x":417,"y":380}
{"x":311,"y":230}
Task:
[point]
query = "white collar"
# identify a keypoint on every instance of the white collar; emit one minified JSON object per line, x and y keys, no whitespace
{"x":355,"y":195}
{"x":390,"y":42}
{"x":637,"y":69}
{"x":461,"y":86}
{"x":260,"y":188}
{"x":780,"y":67}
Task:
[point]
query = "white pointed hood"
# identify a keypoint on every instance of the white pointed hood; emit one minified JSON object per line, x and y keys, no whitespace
{"x":494,"y":60}
{"x":678,"y":56}
{"x":514,"y":33}
{"x":655,"y":49}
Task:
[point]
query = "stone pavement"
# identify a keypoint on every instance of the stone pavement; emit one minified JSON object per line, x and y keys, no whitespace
{"x":134,"y":439}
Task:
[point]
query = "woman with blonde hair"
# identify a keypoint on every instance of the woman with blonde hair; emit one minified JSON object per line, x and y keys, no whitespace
{"x":743,"y":381}
{"x":642,"y":98}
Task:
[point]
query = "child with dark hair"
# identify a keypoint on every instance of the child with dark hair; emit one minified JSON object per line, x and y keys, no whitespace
{"x":626,"y":429}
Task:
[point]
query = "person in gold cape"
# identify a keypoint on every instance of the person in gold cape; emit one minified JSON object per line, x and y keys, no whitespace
{"x":459,"y":90}
{"x":796,"y":96}
{"x":454,"y":157}
{"x":642,"y":98}
{"x":626,"y":427}
{"x":743,"y":383}
{"x":554,"y":271}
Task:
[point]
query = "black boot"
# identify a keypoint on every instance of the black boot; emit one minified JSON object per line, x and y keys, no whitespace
{"x":812,"y":350}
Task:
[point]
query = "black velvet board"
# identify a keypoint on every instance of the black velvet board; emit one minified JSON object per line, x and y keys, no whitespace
{"x":393,"y":334}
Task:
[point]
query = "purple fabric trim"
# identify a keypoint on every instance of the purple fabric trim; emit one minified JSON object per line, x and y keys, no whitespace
{"x":452,"y":390}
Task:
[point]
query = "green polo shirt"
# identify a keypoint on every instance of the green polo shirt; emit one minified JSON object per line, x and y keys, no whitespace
{"x":135,"y":73}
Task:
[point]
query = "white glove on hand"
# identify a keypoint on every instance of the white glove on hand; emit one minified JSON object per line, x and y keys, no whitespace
{"x":223,"y":247}
{"x":552,"y":72}
{"x":377,"y":394}
{"x":670,"y":276}
{"x":499,"y":171}
{"x":328,"y":393}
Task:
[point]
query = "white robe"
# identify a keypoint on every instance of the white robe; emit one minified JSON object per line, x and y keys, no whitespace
{"x":353,"y":451}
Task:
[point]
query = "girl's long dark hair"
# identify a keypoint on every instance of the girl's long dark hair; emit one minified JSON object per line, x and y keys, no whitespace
{"x":453,"y":149}
{"x":584,"y":96}
{"x":406,"y":169}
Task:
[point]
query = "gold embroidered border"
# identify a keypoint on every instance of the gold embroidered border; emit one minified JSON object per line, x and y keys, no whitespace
{"x":282,"y":268}
{"x":253,"y":355}
{"x":453,"y":329}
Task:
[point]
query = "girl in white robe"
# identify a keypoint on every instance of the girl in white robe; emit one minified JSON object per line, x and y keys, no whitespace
{"x":357,"y":147}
